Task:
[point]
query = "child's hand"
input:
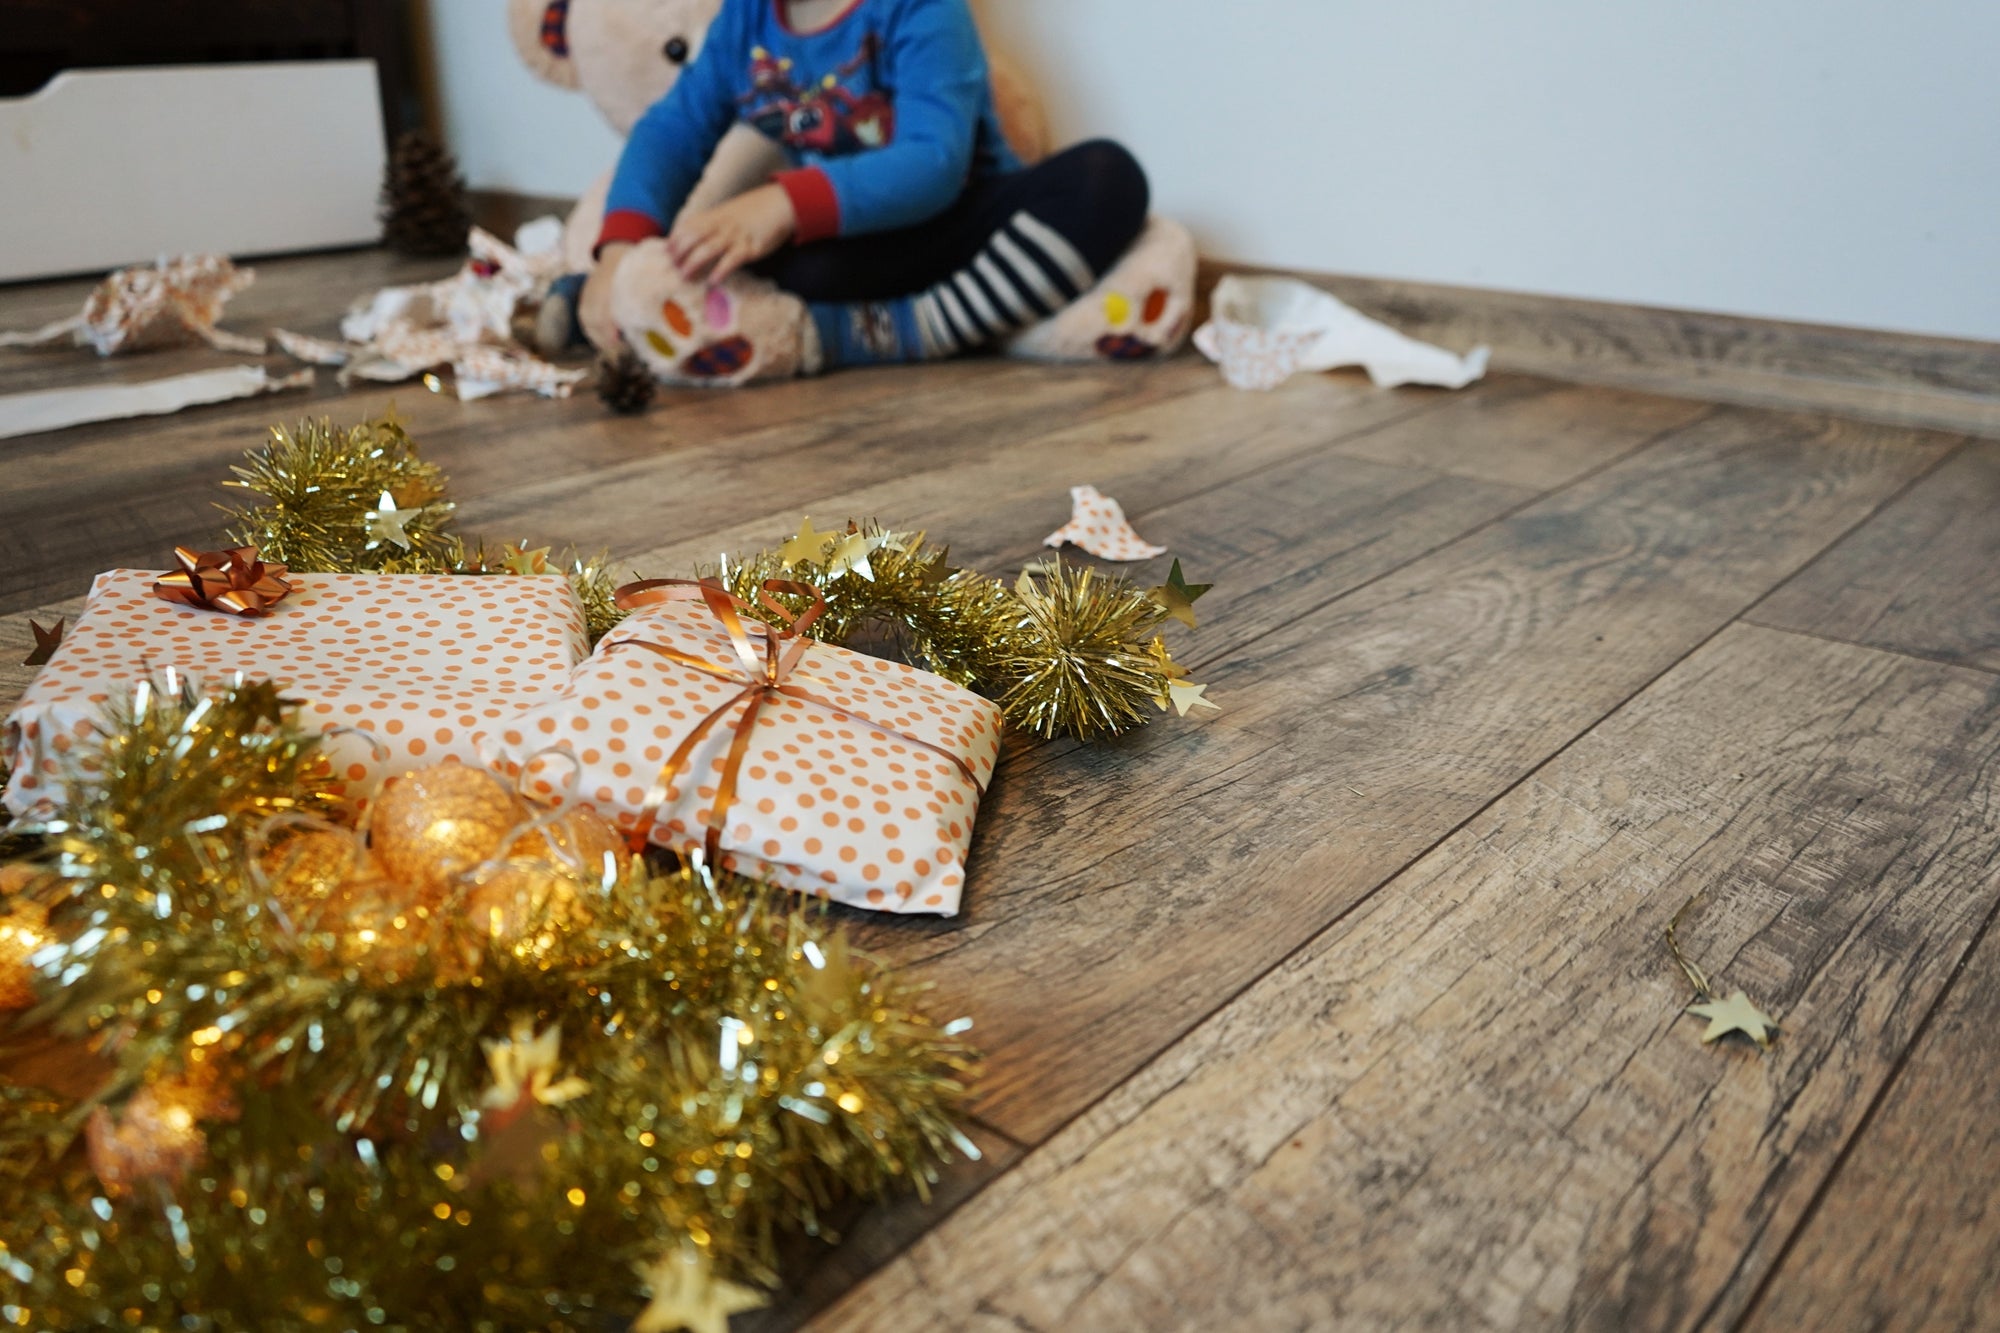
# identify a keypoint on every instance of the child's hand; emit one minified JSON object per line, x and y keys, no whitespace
{"x":724,"y":239}
{"x":593,"y":308}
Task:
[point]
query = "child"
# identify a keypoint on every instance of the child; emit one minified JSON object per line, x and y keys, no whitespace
{"x":906,"y":225}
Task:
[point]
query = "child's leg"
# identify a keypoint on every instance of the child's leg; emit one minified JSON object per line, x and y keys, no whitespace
{"x":1013,"y":251}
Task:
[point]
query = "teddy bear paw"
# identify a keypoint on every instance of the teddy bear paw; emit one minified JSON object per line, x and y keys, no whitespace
{"x":692,"y":333}
{"x":1137,"y":311}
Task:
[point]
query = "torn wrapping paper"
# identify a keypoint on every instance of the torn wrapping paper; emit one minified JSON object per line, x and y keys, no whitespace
{"x":1097,"y":524}
{"x":857,"y":779}
{"x":399,"y":670}
{"x":152,"y":305}
{"x":1263,"y":330}
{"x":53,"y":409}
{"x":464,"y":322}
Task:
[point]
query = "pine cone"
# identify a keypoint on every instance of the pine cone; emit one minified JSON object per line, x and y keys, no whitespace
{"x":625,"y":384}
{"x":423,"y":199}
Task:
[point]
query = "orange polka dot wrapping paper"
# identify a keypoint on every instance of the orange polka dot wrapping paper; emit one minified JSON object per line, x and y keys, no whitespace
{"x":824,"y":804}
{"x":400,"y":670}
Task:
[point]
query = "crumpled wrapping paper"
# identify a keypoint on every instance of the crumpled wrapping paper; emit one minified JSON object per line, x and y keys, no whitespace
{"x":1263,"y":330}
{"x":1097,"y":524}
{"x":152,"y":305}
{"x":464,"y":322}
{"x":400,"y":670}
{"x":823,"y":805}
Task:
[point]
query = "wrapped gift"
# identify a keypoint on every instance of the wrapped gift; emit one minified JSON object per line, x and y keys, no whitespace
{"x":799,"y":763}
{"x":399,"y":670}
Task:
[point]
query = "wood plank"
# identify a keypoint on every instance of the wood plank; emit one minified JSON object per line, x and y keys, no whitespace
{"x":1922,"y":577}
{"x":1474,"y":1102}
{"x":1352,"y":739}
{"x":1544,"y":444}
{"x":1908,"y":1234}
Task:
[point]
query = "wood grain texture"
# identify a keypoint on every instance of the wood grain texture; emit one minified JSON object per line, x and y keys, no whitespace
{"x":1352,"y":738}
{"x":1908,"y":1235}
{"x":1922,"y":577}
{"x":1474,"y":1102}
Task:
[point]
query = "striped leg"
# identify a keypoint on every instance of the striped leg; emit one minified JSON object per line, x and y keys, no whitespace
{"x":1024,"y":274}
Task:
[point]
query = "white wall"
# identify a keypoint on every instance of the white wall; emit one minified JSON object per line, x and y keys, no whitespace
{"x":509,"y":130}
{"x":1821,"y":160}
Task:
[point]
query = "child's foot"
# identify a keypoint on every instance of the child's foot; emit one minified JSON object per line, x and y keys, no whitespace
{"x":1138,"y":310}
{"x":692,"y":333}
{"x":556,"y":327}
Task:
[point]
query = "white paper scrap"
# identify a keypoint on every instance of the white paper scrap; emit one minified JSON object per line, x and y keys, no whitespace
{"x":1263,"y":330}
{"x":53,"y":409}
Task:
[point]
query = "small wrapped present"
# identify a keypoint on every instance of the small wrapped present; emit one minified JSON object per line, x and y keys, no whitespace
{"x":800,"y":763}
{"x":400,"y":670}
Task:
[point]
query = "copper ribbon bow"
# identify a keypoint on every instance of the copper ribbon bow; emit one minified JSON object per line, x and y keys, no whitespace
{"x":234,"y":580}
{"x":763,"y":675}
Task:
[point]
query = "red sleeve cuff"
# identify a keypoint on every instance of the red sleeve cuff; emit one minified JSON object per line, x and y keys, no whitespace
{"x":626,"y":224}
{"x":814,"y":203}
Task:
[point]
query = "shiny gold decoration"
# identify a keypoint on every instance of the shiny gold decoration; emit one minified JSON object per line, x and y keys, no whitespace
{"x":24,"y":928}
{"x":580,"y":839}
{"x":235,"y":581}
{"x":526,"y":905}
{"x":431,"y":826}
{"x":528,"y":1064}
{"x":685,"y":1293}
{"x":1064,"y":651}
{"x":318,"y":485}
{"x":1735,"y":1014}
{"x":307,"y":868}
{"x":520,"y":560}
{"x":1177,"y":596}
{"x":157,"y":1135}
{"x":46,"y":643}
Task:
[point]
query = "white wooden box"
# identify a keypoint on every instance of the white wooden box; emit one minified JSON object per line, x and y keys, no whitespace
{"x":102,"y":168}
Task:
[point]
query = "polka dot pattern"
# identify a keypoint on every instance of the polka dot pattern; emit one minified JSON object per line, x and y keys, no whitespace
{"x":402,"y":670}
{"x":1097,"y":523}
{"x":824,"y":805}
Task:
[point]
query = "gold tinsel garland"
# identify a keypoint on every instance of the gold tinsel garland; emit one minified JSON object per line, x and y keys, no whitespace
{"x":1064,"y":650}
{"x":430,"y":1118}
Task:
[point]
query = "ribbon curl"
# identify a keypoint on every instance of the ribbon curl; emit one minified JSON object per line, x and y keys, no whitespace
{"x":764,"y":676}
{"x":235,"y":581}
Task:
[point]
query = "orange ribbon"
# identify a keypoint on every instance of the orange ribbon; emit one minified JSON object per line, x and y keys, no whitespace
{"x":234,"y":580}
{"x":763,"y":675}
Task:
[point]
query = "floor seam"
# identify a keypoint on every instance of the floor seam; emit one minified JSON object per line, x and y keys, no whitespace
{"x":1908,"y":654}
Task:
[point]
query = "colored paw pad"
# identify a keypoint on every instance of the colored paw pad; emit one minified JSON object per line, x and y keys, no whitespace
{"x":1123,"y":344}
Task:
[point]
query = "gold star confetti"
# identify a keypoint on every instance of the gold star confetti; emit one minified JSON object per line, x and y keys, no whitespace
{"x":46,"y":643}
{"x":850,"y":554}
{"x":1735,"y":1014}
{"x":524,"y":1064}
{"x":1177,"y":596}
{"x":386,"y":524}
{"x":521,"y":560}
{"x":686,"y":1295}
{"x":807,"y":547}
{"x":1186,"y":696}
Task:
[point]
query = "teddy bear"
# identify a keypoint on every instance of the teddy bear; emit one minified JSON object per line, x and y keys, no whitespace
{"x":624,"y":55}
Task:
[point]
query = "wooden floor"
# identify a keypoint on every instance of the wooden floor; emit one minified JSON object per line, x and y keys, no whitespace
{"x":1346,"y":1007}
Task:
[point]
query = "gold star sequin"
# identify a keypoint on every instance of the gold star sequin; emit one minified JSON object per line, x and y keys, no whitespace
{"x":1177,"y":596}
{"x":1735,"y":1014}
{"x":521,"y":560}
{"x":386,"y":524}
{"x":46,"y":643}
{"x":686,"y":1294}
{"x":807,"y":547}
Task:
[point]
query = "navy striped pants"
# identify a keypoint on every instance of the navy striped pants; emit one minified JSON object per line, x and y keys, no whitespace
{"x":1010,"y":252}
